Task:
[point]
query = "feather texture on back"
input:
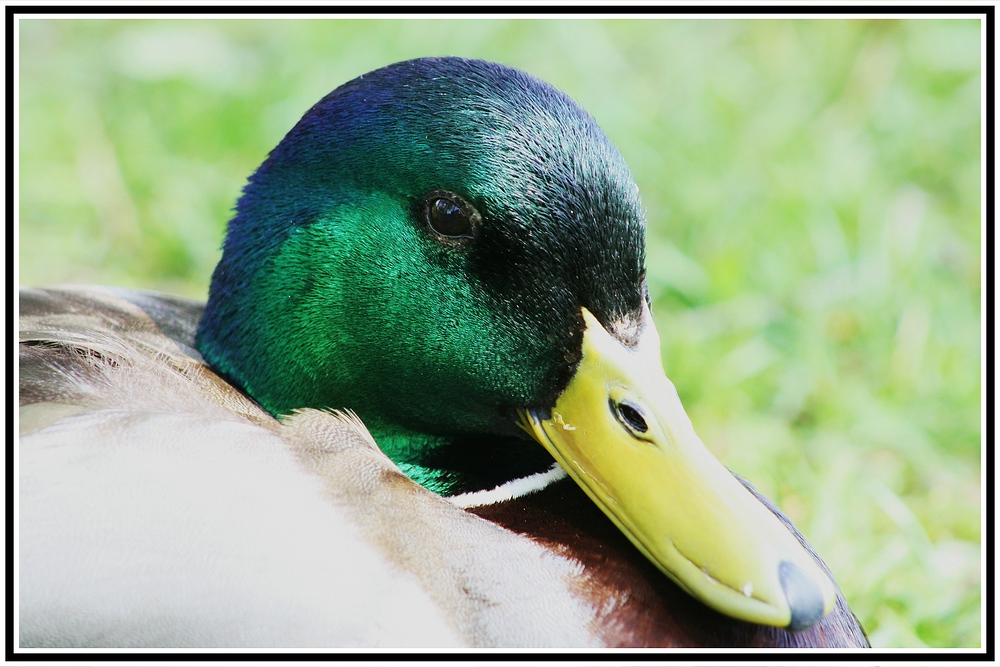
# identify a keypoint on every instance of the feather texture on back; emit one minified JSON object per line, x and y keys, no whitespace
{"x":259,"y":533}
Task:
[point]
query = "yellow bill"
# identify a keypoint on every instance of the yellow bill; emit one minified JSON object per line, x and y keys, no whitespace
{"x":620,"y":431}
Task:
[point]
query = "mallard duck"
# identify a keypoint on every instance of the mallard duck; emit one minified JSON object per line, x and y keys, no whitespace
{"x":423,"y":406}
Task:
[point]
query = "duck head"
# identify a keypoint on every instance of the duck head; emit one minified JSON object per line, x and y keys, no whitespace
{"x":455,"y":251}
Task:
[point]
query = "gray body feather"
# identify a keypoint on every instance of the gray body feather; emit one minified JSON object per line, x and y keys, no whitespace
{"x":158,"y":506}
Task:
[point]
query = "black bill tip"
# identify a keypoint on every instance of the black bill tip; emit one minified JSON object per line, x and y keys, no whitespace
{"x":804,"y":596}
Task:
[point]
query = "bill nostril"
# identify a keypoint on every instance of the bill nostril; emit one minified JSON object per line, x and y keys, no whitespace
{"x":630,"y":416}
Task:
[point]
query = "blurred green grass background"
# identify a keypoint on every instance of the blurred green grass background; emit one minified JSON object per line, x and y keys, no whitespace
{"x":813,"y":195}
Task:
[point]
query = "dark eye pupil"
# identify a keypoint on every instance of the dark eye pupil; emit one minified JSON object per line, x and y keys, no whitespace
{"x":447,"y":218}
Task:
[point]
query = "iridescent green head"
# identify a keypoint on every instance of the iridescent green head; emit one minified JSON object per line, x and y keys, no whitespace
{"x":419,"y":248}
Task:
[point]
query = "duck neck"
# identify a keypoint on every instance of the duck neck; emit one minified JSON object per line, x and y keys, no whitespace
{"x":452,"y":465}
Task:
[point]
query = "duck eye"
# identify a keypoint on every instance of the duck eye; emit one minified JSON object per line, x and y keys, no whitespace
{"x":451,"y":216}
